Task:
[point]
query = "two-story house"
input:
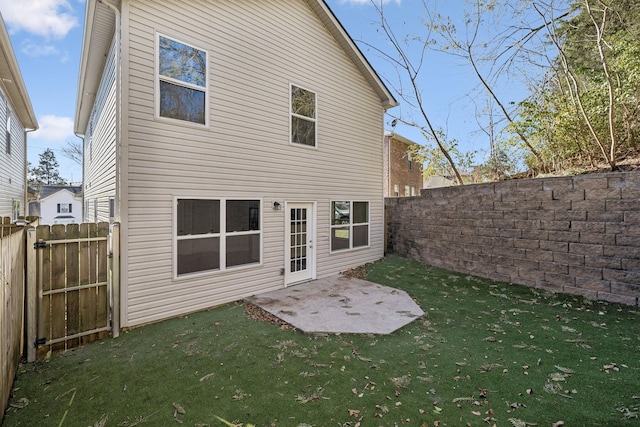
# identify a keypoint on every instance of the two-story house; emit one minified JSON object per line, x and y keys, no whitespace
{"x":237,"y":144}
{"x":402,"y":174}
{"x":16,"y":119}
{"x":58,"y":204}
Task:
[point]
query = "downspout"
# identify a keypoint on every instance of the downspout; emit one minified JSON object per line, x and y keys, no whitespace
{"x":84,"y":213}
{"x":25,"y":209}
{"x":115,"y":325}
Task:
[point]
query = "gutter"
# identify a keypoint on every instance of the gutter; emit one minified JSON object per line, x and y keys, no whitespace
{"x":115,"y":297}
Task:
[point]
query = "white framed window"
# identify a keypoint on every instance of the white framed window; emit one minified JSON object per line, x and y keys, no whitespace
{"x":181,"y":91}
{"x":396,"y":190}
{"x":216,"y":234}
{"x":407,"y":190}
{"x":349,"y":225}
{"x":303,"y":121}
{"x":413,"y":191}
{"x":65,"y":208}
{"x":409,"y":160}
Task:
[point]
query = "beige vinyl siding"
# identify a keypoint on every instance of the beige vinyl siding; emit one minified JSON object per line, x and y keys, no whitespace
{"x":256,"y":50}
{"x":12,"y":166}
{"x":100,"y":147}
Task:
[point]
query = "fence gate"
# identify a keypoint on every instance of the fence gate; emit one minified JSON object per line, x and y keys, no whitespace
{"x":70,"y":285}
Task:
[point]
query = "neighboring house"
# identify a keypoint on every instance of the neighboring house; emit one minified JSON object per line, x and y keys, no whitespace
{"x":16,"y":119}
{"x":237,"y":144}
{"x":402,"y":175}
{"x":58,"y":204}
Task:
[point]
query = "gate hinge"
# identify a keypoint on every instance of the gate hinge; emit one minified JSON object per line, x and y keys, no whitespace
{"x":40,"y":244}
{"x":39,"y":342}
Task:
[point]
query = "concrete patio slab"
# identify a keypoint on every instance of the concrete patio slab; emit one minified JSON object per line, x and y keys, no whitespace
{"x":340,"y":304}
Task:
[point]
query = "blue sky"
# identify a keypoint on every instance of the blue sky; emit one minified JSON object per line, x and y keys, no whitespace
{"x":46,"y":37}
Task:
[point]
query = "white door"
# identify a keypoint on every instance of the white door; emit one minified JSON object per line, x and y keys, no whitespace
{"x":299,"y":245}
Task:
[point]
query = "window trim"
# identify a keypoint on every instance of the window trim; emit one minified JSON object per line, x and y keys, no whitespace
{"x":314,"y":119}
{"x":350,"y":225}
{"x":158,"y":78}
{"x":223,"y":234}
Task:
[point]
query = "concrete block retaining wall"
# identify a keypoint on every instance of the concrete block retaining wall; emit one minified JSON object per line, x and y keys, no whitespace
{"x":578,"y":234}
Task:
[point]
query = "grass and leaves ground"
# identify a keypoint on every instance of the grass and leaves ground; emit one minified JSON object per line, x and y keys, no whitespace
{"x":484,"y":354}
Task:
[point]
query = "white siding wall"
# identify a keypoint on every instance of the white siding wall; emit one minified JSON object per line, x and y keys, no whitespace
{"x":256,"y":49}
{"x":100,"y":147}
{"x":49,"y":208}
{"x":12,"y":166}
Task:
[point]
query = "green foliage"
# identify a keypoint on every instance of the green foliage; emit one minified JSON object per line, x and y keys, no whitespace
{"x":435,"y":162}
{"x":551,"y":116}
{"x":46,"y":173}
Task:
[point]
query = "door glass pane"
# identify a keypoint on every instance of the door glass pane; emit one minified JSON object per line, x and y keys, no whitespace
{"x":243,"y":250}
{"x":298,"y":240}
{"x":198,"y":255}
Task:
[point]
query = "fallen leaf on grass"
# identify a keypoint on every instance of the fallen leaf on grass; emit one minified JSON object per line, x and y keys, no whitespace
{"x":354,"y":412}
{"x":564,"y":370}
{"x":520,"y":423}
{"x":102,"y":422}
{"x":178,"y":409}
{"x":20,"y":403}
{"x":206,"y":377}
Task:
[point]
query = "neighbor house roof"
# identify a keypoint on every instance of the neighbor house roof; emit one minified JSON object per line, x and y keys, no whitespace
{"x":48,"y":190}
{"x":98,"y":34}
{"x":11,"y":81}
{"x":400,"y":138}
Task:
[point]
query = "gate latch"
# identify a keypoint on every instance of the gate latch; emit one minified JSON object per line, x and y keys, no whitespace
{"x":39,"y":342}
{"x":40,"y":244}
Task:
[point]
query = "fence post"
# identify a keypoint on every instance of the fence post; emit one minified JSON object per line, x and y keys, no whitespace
{"x":115,"y":279}
{"x":31,"y":293}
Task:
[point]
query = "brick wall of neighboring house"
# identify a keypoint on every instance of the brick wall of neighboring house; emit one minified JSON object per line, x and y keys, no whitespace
{"x":579,"y":235}
{"x":398,"y":172}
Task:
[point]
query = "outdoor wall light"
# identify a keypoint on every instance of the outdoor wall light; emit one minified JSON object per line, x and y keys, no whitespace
{"x":277,"y":206}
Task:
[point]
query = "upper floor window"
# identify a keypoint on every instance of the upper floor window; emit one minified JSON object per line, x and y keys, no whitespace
{"x":65,"y":207}
{"x":303,"y":116}
{"x":182,"y":81}
{"x":409,"y":160}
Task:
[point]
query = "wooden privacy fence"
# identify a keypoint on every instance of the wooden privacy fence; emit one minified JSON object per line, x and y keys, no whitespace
{"x":12,"y":250}
{"x":72,"y":286}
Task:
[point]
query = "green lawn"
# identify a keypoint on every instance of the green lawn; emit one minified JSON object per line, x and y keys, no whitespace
{"x":484,"y":354}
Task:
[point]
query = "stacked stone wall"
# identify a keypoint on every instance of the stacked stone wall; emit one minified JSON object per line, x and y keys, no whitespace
{"x":579,"y":234}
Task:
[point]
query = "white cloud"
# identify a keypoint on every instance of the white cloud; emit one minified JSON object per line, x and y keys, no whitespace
{"x":32,"y":49}
{"x":47,"y":18}
{"x":54,"y":129}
